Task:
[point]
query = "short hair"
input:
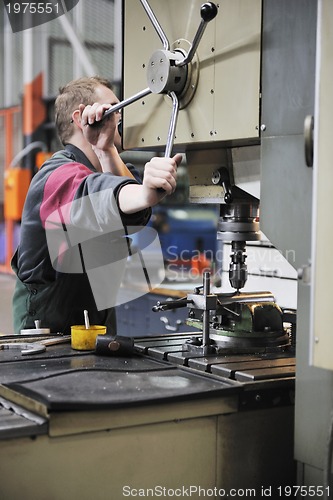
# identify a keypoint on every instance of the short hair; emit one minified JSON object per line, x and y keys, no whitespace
{"x":71,"y":95}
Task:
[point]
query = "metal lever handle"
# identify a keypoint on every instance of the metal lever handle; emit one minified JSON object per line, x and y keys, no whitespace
{"x":208,"y":12}
{"x":173,"y":120}
{"x":172,"y":125}
{"x":172,"y":128}
{"x":171,"y":304}
{"x":308,"y":140}
{"x":221,"y":176}
{"x":126,"y":102}
{"x":156,"y":24}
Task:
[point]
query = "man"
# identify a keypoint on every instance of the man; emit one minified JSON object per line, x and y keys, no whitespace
{"x":85,"y":187}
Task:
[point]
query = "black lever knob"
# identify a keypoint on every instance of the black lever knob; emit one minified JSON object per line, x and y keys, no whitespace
{"x":208,"y":11}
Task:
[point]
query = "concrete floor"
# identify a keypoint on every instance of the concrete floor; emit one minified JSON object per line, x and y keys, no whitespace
{"x":7,"y":283}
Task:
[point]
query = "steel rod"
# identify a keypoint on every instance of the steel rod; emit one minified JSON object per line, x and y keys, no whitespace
{"x":172,"y":126}
{"x":245,"y":297}
{"x":194,"y":46}
{"x":126,"y":102}
{"x":205,"y":318}
{"x":156,"y":24}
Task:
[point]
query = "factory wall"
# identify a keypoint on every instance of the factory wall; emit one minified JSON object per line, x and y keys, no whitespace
{"x":49,"y":51}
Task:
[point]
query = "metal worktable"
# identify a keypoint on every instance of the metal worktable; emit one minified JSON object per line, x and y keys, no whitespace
{"x":162,"y":416}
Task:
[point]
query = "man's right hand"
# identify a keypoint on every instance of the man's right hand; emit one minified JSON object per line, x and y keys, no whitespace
{"x":159,"y":180}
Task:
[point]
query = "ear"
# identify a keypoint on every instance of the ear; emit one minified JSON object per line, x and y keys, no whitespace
{"x":76,"y":118}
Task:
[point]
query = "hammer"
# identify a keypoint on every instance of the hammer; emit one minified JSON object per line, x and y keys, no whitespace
{"x":117,"y":345}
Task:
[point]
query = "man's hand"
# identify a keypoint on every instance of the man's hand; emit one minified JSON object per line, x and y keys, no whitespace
{"x":160,"y":174}
{"x":99,"y":133}
{"x":159,"y":180}
{"x":102,"y":134}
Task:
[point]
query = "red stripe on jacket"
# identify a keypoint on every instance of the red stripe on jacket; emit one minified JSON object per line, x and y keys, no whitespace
{"x":60,"y":190}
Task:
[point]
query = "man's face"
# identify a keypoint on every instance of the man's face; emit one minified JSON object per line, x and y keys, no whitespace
{"x":106,"y":96}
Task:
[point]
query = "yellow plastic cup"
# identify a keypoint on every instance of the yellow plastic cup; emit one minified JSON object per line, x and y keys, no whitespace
{"x":84,"y":339}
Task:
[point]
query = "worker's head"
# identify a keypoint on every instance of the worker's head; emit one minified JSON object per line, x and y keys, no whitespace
{"x":85,"y":90}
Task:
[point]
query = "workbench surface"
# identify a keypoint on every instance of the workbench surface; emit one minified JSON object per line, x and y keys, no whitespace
{"x":160,"y":372}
